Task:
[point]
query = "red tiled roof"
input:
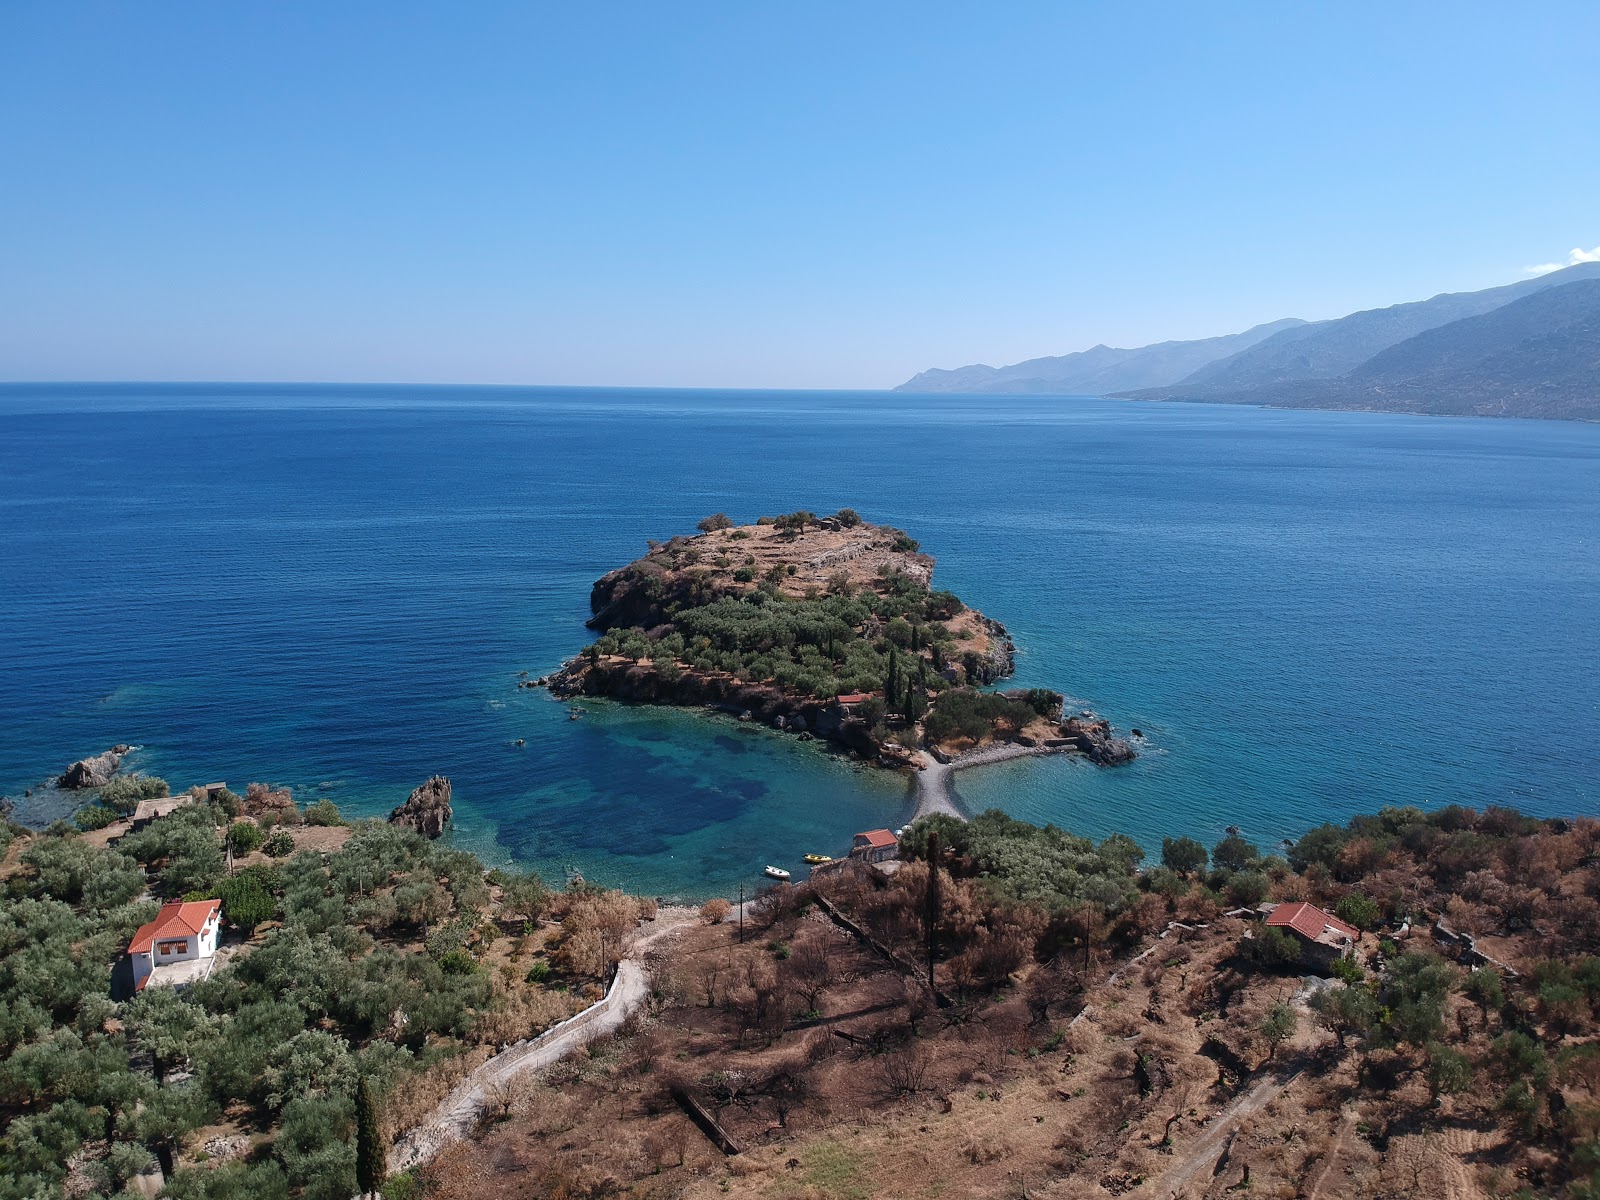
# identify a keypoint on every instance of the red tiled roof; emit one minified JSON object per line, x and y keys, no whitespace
{"x":877,"y":838}
{"x":855,"y":697}
{"x":177,"y":918}
{"x":1308,"y":920}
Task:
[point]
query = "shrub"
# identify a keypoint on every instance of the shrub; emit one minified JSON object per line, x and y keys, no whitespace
{"x":714,"y":912}
{"x":1348,"y":970}
{"x":1044,"y":702}
{"x":1183,"y":855}
{"x":1271,"y":948}
{"x":1233,"y":853}
{"x":905,"y":543}
{"x":279,"y":844}
{"x":323,"y":812}
{"x":1358,"y":910}
{"x":96,"y":816}
{"x":1248,"y":887}
{"x":715,"y":522}
{"x":524,"y":896}
{"x":244,"y":836}
{"x":744,"y":575}
{"x":848,"y":517}
{"x":246,"y":902}
{"x":539,"y":972}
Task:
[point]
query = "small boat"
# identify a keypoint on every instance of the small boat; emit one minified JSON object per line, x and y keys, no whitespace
{"x":814,"y":859}
{"x":776,"y":873}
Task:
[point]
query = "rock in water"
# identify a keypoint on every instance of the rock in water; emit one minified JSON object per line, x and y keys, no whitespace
{"x":1091,"y":735}
{"x":428,"y":809}
{"x":93,"y":772}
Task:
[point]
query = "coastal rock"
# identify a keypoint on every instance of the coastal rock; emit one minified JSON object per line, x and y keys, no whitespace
{"x":1091,"y":736}
{"x":427,"y":810}
{"x":93,"y":772}
{"x":260,"y":799}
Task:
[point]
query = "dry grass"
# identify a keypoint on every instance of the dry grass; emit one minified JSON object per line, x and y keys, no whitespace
{"x":991,"y":1107}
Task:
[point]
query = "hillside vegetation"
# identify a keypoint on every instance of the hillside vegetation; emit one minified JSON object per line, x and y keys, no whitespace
{"x":1101,"y":1030}
{"x":354,"y":985}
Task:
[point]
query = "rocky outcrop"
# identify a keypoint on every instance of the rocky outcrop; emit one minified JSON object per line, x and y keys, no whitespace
{"x":260,"y":799}
{"x":802,"y":558}
{"x":93,"y":772}
{"x":1091,"y":736}
{"x":998,"y":662}
{"x":427,"y":810}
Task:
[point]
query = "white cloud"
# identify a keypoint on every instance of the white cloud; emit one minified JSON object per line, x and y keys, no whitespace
{"x":1574,"y":257}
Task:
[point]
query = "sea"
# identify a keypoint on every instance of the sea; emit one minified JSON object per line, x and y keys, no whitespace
{"x":338,"y":589}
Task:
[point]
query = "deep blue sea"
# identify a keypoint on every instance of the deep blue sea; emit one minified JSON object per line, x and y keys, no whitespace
{"x":334,"y":588}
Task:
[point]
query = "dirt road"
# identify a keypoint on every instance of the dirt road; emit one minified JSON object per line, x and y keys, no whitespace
{"x":455,"y":1118}
{"x":1200,"y":1156}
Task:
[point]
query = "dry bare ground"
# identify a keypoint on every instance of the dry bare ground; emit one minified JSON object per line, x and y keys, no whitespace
{"x":1163,"y":1089}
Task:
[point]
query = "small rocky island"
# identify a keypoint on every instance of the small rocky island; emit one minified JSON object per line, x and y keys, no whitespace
{"x":825,"y":627}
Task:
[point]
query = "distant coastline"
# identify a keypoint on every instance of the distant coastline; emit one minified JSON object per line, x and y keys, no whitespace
{"x":1525,"y":349}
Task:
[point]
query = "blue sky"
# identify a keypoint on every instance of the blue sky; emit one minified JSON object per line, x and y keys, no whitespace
{"x":754,"y":194}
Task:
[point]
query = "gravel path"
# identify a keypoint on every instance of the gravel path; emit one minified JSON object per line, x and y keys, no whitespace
{"x":455,"y":1118}
{"x":935,"y":792}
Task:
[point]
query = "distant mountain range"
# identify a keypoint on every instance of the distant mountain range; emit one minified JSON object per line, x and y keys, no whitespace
{"x":1529,"y":349}
{"x":1098,"y":371}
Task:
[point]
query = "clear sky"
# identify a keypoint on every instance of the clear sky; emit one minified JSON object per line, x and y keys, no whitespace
{"x":753,"y":194}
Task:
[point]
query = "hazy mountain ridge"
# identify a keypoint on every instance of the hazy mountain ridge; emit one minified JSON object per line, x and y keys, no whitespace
{"x":1538,"y":356}
{"x":1098,"y":370}
{"x":1529,"y":349}
{"x":1329,"y":349}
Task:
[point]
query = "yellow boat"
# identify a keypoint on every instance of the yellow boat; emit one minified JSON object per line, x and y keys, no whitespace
{"x":814,"y":859}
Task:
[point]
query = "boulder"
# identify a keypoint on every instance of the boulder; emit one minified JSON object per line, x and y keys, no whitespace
{"x":1091,"y":736}
{"x":427,"y":810}
{"x":93,"y":772}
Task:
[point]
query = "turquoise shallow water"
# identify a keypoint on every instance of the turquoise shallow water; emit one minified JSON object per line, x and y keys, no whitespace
{"x":1310,"y":614}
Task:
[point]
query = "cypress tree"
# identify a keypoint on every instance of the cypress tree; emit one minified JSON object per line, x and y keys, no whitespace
{"x":371,"y":1165}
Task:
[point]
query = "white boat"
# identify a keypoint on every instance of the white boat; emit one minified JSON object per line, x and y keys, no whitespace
{"x":776,"y":873}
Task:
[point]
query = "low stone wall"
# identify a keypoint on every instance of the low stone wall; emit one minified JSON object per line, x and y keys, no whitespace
{"x":515,"y":1052}
{"x":461,"y":1109}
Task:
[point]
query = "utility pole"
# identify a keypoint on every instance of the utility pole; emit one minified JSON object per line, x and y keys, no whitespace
{"x":933,"y":903}
{"x":741,"y":914}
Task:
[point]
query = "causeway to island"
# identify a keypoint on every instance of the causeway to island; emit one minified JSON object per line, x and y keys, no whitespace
{"x":826,"y":627}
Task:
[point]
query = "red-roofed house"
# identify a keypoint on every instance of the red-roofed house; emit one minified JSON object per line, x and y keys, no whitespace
{"x":853,"y":698}
{"x":1322,"y":936}
{"x":876,"y":845}
{"x":176,"y":947}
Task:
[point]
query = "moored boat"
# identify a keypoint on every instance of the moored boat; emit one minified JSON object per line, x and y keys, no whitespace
{"x":814,"y":859}
{"x":775,"y":873}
